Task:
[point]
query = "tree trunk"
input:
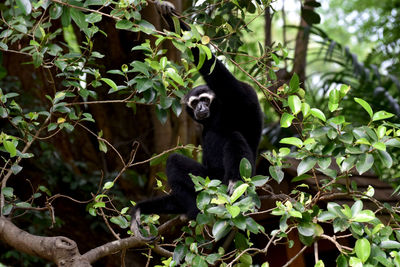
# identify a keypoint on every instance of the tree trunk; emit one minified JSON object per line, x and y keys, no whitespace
{"x":300,"y":52}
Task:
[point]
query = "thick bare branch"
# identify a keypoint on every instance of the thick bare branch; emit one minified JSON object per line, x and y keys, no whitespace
{"x":60,"y":250}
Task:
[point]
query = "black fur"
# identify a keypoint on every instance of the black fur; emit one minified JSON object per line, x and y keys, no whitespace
{"x":230,"y":133}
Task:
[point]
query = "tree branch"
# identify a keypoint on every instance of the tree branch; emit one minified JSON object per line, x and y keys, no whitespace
{"x":60,"y":250}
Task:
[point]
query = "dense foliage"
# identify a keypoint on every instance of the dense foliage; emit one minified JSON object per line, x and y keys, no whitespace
{"x":329,"y":143}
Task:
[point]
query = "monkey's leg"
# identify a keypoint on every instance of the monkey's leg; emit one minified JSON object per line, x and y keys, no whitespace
{"x":178,"y":169}
{"x":234,"y":150}
{"x":161,"y":205}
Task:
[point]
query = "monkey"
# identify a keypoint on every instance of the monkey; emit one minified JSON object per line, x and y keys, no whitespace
{"x":231,"y":118}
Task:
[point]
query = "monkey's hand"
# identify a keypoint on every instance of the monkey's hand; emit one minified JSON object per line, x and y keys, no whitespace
{"x":135,"y":225}
{"x":165,"y":8}
{"x":231,"y":186}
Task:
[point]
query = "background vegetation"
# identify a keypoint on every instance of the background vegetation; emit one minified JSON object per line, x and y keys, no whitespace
{"x":90,"y":109}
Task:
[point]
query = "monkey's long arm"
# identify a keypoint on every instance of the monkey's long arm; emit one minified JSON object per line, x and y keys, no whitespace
{"x":220,"y":79}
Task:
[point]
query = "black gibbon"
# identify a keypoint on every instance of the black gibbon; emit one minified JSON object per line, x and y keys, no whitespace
{"x":230,"y":114}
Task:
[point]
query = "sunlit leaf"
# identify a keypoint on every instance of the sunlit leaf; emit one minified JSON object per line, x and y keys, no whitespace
{"x":292,"y":141}
{"x":381,"y":115}
{"x":318,"y":114}
{"x":239,"y":191}
{"x":286,"y":120}
{"x":25,"y":6}
{"x":363,"y":249}
{"x":294,"y":104}
{"x":305,"y":165}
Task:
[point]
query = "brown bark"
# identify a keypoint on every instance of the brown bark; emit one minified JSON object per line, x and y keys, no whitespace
{"x":300,"y":52}
{"x":60,"y":250}
{"x":64,"y":251}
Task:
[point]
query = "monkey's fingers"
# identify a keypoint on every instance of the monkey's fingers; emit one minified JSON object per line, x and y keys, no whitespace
{"x":165,"y":7}
{"x":231,"y":186}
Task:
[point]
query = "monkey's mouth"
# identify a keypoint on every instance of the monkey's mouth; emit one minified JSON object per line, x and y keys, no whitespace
{"x":201,"y":115}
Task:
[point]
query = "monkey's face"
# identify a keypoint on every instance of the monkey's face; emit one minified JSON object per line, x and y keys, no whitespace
{"x":200,"y":105}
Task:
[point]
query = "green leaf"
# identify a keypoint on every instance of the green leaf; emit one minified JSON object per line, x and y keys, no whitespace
{"x":364,"y":216}
{"x":102,"y":146}
{"x":294,"y":104}
{"x":259,"y":180}
{"x":356,"y":208}
{"x":363,"y":249}
{"x":203,"y":199}
{"x":381,"y":115}
{"x":355,"y":262}
{"x":120,"y":221}
{"x":364,"y":163}
{"x":25,"y":6}
{"x":381,"y":131}
{"x":199,"y":261}
{"x":292,"y":141}
{"x":246,"y":260}
{"x":324,"y":163}
{"x":37,"y":59}
{"x":326,"y":216}
{"x":15,"y":168}
{"x":284,"y":151}
{"x":174,"y":76}
{"x":233,"y":210}
{"x":393,"y":142}
{"x":23,"y":205}
{"x":8,"y":192}
{"x":45,"y":190}
{"x":286,"y":120}
{"x":4,"y":47}
{"x":390,"y":244}
{"x":319,"y":263}
{"x":5,"y":33}
{"x":363,"y":141}
{"x":124,"y":24}
{"x":146,"y":26}
{"x":10,"y":148}
{"x":306,"y":229}
{"x":276,"y":173}
{"x":108,"y":185}
{"x":341,"y":261}
{"x":55,"y":11}
{"x":245,"y":168}
{"x":306,"y":165}
{"x":99,"y":204}
{"x":93,"y":18}
{"x":220,"y":229}
{"x":365,"y":105}
{"x":111,"y":83}
{"x":301,"y":178}
{"x":294,"y":83}
{"x":305,"y":109}
{"x":346,"y":138}
{"x":79,"y":18}
{"x":318,"y":114}
{"x":239,"y":191}
{"x":379,"y":145}
{"x":385,"y":158}
{"x":334,"y":97}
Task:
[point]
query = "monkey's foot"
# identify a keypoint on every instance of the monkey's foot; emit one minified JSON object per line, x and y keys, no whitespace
{"x":135,"y":225}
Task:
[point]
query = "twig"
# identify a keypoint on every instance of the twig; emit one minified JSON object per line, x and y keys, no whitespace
{"x":295,"y":257}
{"x":316,"y":256}
{"x":338,"y":246}
{"x":24,"y":150}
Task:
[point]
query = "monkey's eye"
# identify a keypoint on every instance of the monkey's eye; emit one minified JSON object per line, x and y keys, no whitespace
{"x":193,"y":103}
{"x":205,"y":100}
